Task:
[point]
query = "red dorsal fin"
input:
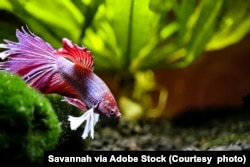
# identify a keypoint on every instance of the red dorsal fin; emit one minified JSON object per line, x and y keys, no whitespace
{"x":76,"y":54}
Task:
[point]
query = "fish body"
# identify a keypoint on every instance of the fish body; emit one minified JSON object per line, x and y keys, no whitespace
{"x":68,"y":71}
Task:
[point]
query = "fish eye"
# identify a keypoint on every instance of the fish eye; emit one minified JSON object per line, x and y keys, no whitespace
{"x":111,"y":112}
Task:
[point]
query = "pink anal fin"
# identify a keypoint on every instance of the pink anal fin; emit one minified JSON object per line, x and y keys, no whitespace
{"x":76,"y":102}
{"x":76,"y":54}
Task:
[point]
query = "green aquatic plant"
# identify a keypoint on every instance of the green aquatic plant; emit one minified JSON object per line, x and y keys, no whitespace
{"x":129,"y":39}
{"x":28,"y":123}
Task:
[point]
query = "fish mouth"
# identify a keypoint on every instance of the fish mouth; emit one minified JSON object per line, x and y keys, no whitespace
{"x":118,"y":115}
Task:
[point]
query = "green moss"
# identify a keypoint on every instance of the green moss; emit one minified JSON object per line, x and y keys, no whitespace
{"x":28,"y":123}
{"x":69,"y":140}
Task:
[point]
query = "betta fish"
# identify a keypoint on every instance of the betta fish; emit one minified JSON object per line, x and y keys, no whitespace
{"x":68,"y":71}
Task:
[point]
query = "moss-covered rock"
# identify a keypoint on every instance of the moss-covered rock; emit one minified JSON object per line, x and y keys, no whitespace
{"x":69,"y":140}
{"x":28,"y":123}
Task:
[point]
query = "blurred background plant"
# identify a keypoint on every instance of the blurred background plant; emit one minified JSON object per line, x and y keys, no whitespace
{"x":129,"y":39}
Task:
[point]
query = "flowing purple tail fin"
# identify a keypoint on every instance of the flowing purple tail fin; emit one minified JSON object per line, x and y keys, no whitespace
{"x":35,"y":61}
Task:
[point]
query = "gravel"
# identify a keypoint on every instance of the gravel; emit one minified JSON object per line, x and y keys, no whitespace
{"x":228,"y":130}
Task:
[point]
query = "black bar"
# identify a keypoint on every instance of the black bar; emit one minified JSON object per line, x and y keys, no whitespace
{"x":148,"y":158}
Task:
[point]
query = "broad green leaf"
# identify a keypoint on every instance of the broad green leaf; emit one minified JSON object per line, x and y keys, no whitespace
{"x":101,"y":40}
{"x":6,"y":5}
{"x":234,"y":26}
{"x":48,"y":16}
{"x":136,"y":35}
{"x":201,"y":26}
{"x":204,"y":28}
{"x":88,"y":9}
{"x":183,"y":12}
{"x":133,"y":23}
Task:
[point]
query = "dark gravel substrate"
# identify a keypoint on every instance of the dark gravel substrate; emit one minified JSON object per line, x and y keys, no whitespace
{"x":213,"y":129}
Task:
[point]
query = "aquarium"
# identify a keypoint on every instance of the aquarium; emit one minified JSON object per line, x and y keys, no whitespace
{"x":143,"y":74}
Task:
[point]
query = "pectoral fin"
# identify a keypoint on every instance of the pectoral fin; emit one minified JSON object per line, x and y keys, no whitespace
{"x":91,"y":119}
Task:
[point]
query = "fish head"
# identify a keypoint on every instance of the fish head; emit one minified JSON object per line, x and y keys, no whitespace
{"x":109,"y":109}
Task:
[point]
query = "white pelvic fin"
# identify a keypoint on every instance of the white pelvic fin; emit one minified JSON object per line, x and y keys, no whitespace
{"x":4,"y":54}
{"x":4,"y":46}
{"x":91,"y":119}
